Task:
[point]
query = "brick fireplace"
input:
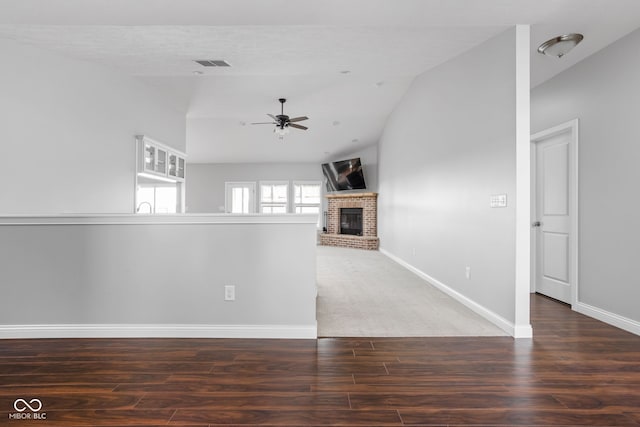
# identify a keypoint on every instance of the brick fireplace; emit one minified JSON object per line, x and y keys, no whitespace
{"x":352,"y":221}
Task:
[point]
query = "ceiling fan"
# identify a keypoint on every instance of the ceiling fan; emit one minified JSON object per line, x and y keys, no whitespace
{"x":284,"y":122}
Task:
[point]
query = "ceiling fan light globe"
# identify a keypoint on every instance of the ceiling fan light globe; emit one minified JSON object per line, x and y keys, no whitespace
{"x":560,"y":49}
{"x":281,"y":130}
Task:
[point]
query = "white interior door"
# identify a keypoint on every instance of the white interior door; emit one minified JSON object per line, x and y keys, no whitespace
{"x":240,"y":197}
{"x":555,"y":215}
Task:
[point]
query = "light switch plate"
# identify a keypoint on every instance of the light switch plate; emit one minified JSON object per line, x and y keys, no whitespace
{"x":498,"y":201}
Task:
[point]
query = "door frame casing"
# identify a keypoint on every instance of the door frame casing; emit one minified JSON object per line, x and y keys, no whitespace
{"x":573,"y":127}
{"x":227,"y":194}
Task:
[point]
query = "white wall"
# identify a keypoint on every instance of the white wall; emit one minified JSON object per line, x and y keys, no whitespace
{"x":447,"y":147}
{"x":205,"y":184}
{"x":67,"y":133}
{"x":158,"y":276}
{"x":602,"y":92}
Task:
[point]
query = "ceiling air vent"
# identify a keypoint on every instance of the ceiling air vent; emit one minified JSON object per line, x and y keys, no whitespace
{"x":213,"y":63}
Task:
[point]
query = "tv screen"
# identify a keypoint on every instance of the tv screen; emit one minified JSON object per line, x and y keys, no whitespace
{"x":344,"y":175}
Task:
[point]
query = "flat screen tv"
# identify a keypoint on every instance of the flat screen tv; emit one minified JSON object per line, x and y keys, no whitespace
{"x":344,"y":175}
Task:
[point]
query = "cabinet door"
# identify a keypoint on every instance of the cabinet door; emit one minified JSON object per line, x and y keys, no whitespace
{"x":149,"y":164}
{"x":181,"y":167}
{"x":161,"y":161}
{"x":173,"y":165}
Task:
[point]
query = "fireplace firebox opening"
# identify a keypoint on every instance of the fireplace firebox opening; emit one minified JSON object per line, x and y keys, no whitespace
{"x":351,"y":221}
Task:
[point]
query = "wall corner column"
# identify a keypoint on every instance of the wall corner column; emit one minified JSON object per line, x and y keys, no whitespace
{"x":522,"y":322}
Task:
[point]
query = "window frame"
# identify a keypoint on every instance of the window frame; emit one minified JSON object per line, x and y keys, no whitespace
{"x":154,"y":206}
{"x":287,"y":204}
{"x":294,"y":205}
{"x":252,"y":194}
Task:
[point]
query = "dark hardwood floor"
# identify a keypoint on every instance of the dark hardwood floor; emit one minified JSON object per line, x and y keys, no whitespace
{"x":575,"y":372}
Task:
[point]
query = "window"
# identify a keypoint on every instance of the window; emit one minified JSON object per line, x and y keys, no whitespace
{"x":240,"y":197}
{"x":157,"y":198}
{"x":306,"y":198}
{"x":274,"y":196}
{"x":240,"y":200}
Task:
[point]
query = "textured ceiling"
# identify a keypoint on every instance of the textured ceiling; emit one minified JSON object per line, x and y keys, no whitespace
{"x":297,"y":49}
{"x":257,"y":50}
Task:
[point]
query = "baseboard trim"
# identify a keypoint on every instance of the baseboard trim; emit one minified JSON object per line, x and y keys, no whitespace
{"x":158,"y":331}
{"x":605,"y":316}
{"x":516,"y":331}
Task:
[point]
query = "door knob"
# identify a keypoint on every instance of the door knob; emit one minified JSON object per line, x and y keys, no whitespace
{"x":537,"y":224}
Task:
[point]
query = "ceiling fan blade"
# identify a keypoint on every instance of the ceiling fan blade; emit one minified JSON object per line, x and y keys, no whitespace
{"x":264,"y":123}
{"x":299,"y":119}
{"x":293,"y":125}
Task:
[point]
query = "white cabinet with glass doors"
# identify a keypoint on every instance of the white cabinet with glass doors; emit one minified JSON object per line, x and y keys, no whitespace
{"x":159,"y":160}
{"x":176,"y":166}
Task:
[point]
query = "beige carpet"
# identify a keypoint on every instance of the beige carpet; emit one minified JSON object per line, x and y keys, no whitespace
{"x":365,"y":294}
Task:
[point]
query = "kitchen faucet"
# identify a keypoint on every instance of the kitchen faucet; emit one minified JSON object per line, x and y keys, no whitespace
{"x":145,"y":203}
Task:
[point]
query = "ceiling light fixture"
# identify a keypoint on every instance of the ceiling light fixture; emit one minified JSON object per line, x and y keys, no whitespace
{"x":561,"y":45}
{"x":283,"y":122}
{"x":281,"y":131}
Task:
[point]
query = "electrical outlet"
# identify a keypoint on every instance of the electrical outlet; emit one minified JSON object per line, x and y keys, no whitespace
{"x":229,"y":293}
{"x":467,"y":272}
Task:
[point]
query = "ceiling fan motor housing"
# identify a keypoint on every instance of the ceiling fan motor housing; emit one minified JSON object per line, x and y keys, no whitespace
{"x":283,"y":120}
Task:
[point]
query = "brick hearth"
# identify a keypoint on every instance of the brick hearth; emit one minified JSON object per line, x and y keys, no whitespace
{"x":369,"y":204}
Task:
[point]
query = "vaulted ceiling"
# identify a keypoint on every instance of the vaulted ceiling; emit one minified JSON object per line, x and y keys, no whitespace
{"x":343,"y":63}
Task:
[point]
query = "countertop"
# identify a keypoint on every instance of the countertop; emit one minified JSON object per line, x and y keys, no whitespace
{"x":132,"y":219}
